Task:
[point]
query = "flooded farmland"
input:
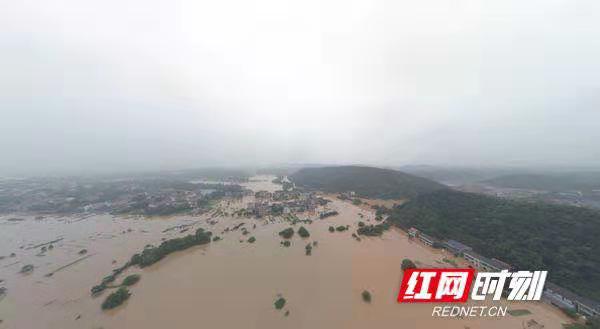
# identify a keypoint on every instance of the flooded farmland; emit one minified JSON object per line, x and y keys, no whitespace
{"x":228,"y":283}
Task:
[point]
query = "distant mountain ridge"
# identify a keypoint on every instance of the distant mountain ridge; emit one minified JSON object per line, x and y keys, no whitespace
{"x":367,"y":182}
{"x":457,"y":175}
{"x":585,"y":181}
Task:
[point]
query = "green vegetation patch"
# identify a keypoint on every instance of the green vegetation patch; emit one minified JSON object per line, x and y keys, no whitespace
{"x":132,"y":279}
{"x":519,"y":312}
{"x":407,"y":264}
{"x":451,"y":262}
{"x":116,"y":298}
{"x":561,"y":239}
{"x":287,"y":233}
{"x":303,"y":232}
{"x":308,"y":249}
{"x":251,"y":239}
{"x":365,"y":181}
{"x":373,"y":230}
{"x":152,"y":255}
{"x":26,"y":269}
{"x":279,"y":303}
{"x":366,"y":296}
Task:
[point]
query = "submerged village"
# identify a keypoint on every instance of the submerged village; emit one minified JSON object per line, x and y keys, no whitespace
{"x":93,"y":254}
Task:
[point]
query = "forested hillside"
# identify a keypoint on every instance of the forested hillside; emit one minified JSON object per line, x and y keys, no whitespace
{"x":564,"y":240}
{"x":365,"y":181}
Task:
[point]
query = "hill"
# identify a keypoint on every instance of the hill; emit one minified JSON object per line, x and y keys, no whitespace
{"x":456,"y":175}
{"x":580,"y":181}
{"x":367,"y":182}
{"x":531,"y":236}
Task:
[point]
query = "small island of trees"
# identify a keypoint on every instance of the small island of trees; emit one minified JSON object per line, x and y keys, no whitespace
{"x":407,"y":264}
{"x":373,"y":230}
{"x":151,"y":255}
{"x":366,"y":296}
{"x":279,"y":303}
{"x":303,"y":232}
{"x":132,"y":279}
{"x":116,"y":298}
{"x":287,"y":233}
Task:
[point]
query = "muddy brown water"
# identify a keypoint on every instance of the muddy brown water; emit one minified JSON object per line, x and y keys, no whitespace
{"x":227,"y":284}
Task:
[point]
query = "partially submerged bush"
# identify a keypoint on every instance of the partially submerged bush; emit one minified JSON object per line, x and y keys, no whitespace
{"x":287,"y":233}
{"x":251,"y":239}
{"x":116,"y":298}
{"x":340,"y":228}
{"x":407,"y":264}
{"x":331,"y":229}
{"x":303,"y":232}
{"x":132,"y":279}
{"x":286,"y":243}
{"x":366,"y":296}
{"x":98,"y":289}
{"x":26,"y":269}
{"x":373,"y":230}
{"x":279,"y":303}
{"x":308,"y":249}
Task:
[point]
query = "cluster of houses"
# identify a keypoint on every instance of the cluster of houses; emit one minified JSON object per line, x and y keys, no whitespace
{"x":349,"y":195}
{"x":553,"y":293}
{"x":284,"y":202}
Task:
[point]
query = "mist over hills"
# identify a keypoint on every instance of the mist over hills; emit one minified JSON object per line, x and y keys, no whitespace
{"x":365,"y":181}
{"x":585,"y":181}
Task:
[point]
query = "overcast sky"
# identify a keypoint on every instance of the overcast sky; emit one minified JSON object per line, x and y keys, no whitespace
{"x":127,"y":84}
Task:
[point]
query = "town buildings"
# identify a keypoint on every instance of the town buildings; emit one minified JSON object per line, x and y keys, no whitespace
{"x":456,"y":247}
{"x":566,"y":299}
{"x":483,"y":263}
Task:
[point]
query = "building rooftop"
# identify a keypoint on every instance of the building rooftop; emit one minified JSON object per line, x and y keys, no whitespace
{"x":453,"y":244}
{"x":568,"y":294}
{"x":490,"y":261}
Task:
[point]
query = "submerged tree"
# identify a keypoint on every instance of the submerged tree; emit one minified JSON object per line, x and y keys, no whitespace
{"x":287,"y":233}
{"x":132,"y":279}
{"x":116,"y":298}
{"x":279,"y":303}
{"x":303,"y":232}
{"x":407,"y":264}
{"x":366,"y":296}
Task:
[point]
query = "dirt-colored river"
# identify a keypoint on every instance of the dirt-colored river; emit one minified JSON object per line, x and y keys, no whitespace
{"x":227,"y":284}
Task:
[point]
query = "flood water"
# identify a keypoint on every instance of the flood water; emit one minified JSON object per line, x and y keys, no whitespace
{"x":227,"y":284}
